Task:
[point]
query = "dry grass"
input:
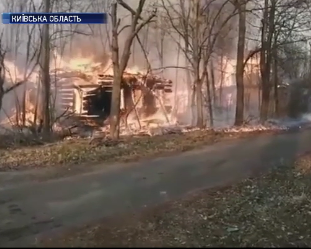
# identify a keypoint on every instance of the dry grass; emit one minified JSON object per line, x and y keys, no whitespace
{"x":273,"y":210}
{"x":79,"y":151}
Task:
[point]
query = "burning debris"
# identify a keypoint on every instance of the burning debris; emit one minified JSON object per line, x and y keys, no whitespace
{"x":146,"y":94}
{"x":145,"y":99}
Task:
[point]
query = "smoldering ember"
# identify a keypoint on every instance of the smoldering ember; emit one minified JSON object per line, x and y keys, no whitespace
{"x":178,"y":123}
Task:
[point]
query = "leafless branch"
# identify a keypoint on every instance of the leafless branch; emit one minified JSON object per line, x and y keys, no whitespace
{"x":127,"y":7}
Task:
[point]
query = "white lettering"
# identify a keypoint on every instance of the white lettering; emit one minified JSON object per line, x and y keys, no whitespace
{"x":64,"y":19}
{"x":24,"y":18}
{"x":16,"y":18}
{"x":42,"y":19}
{"x":59,"y":19}
{"x":28,"y":18}
{"x":72,"y":18}
{"x":76,"y":19}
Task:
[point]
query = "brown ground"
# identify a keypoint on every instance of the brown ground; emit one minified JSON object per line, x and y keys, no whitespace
{"x":272,"y":210}
{"x":30,"y":154}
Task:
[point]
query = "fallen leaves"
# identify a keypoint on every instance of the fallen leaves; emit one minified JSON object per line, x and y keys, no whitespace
{"x":303,"y":164}
{"x":79,"y":151}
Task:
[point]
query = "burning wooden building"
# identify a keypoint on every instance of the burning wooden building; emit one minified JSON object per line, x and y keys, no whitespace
{"x":144,"y":93}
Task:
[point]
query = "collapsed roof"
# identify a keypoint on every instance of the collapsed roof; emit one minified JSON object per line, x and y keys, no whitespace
{"x":133,"y":79}
{"x":137,"y":80}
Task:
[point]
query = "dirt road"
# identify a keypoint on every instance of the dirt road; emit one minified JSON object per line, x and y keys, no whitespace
{"x":29,"y":208}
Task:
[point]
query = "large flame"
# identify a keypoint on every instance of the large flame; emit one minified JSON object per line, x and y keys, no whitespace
{"x":73,"y":64}
{"x":87,"y":65}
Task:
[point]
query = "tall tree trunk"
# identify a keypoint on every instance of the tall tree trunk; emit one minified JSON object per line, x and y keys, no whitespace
{"x":200,"y":118}
{"x":266,"y":56}
{"x":45,"y":68}
{"x":209,"y":96}
{"x":115,"y":107}
{"x":212,"y":82}
{"x":120,"y":64}
{"x":117,"y":77}
{"x":192,"y":95}
{"x":24,"y":105}
{"x":198,"y":93}
{"x":196,"y":64}
{"x":239,"y":111}
{"x":222,"y":75}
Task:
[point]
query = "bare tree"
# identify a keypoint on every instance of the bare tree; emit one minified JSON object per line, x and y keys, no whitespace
{"x":200,"y":24}
{"x":267,"y":30}
{"x":16,"y":38}
{"x":120,"y":62}
{"x":45,"y":72}
{"x":239,"y":111}
{"x":282,"y":23}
